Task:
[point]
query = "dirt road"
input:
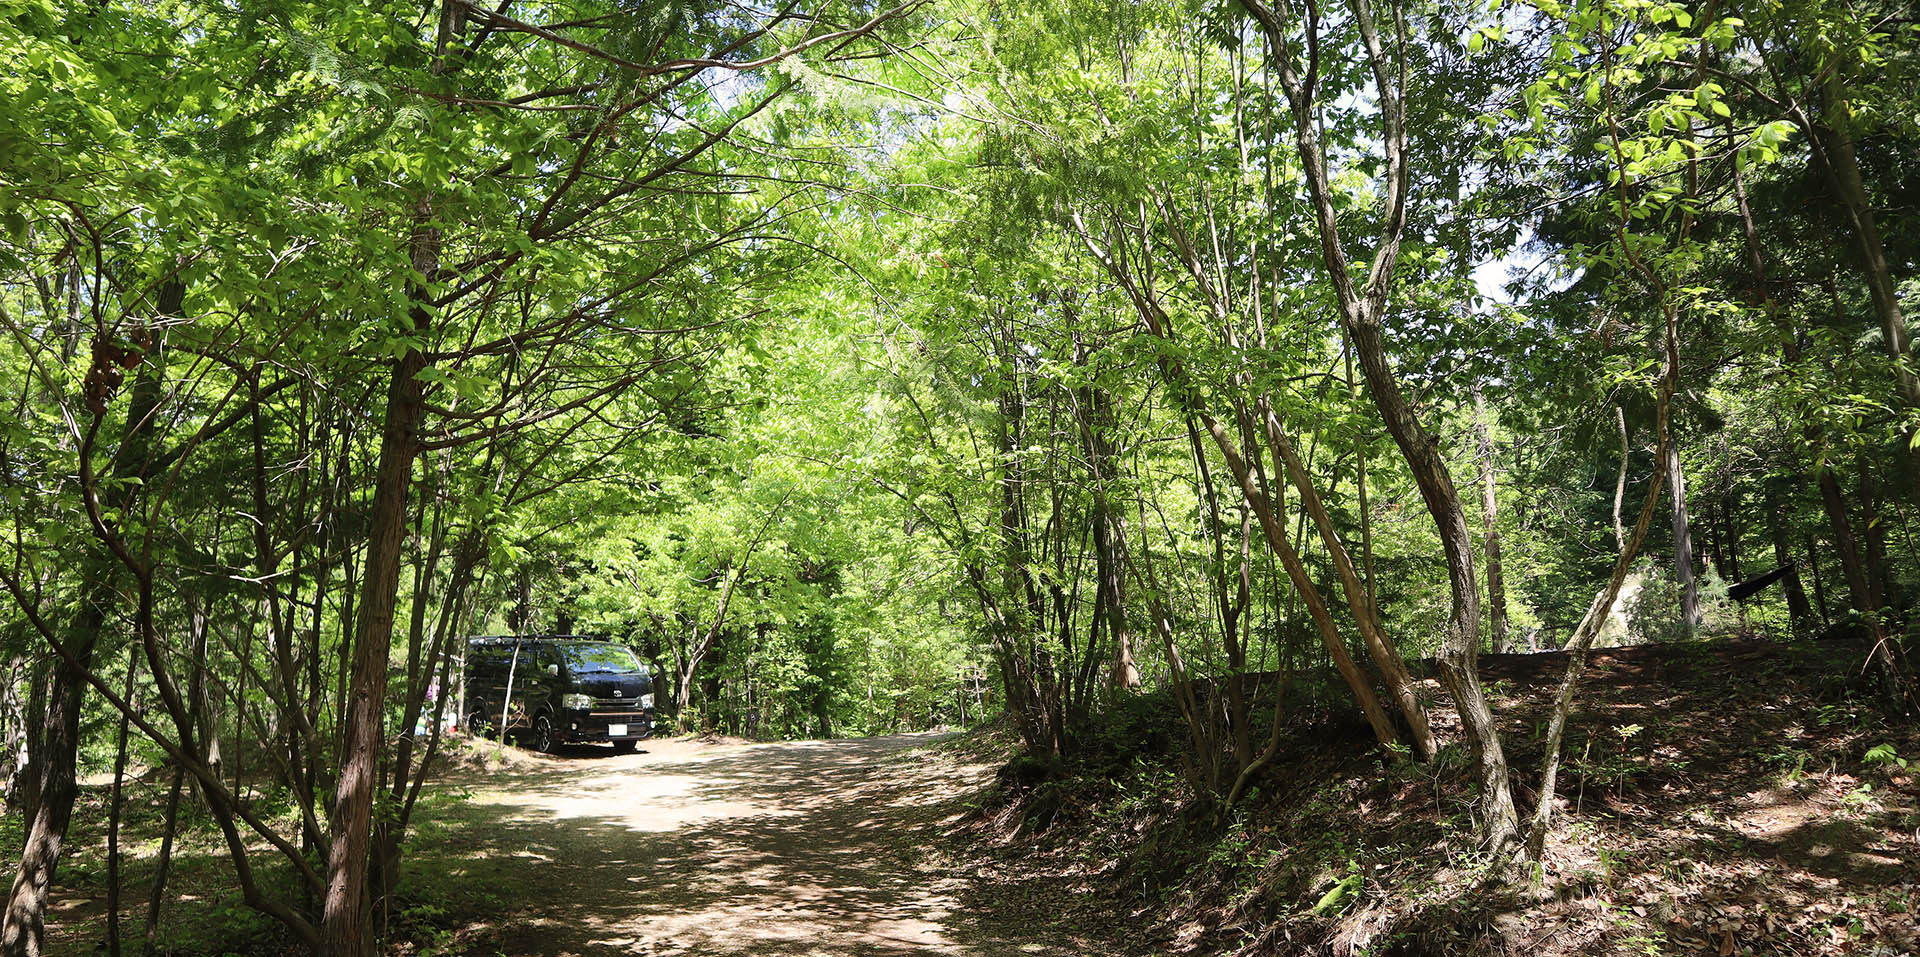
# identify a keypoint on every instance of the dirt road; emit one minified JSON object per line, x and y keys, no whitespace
{"x":817,"y":847}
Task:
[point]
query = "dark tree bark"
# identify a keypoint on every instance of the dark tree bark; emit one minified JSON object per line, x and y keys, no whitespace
{"x":24,"y":930}
{"x":1799,"y":613}
{"x":1097,"y":427}
{"x":1852,"y":569}
{"x":1833,"y":137}
{"x":1819,"y":585}
{"x":1860,"y":588}
{"x":115,"y":805}
{"x":1729,"y":537}
{"x":345,"y":920}
{"x":1874,"y":531}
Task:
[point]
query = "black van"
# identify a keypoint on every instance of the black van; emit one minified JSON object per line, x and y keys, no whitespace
{"x":552,"y":689}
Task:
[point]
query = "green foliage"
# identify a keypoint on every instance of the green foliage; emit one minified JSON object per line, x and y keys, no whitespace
{"x":1884,"y":755}
{"x":814,"y":382}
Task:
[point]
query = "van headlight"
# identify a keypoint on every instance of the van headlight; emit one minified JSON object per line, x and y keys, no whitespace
{"x":646,"y":701}
{"x":577,"y":702}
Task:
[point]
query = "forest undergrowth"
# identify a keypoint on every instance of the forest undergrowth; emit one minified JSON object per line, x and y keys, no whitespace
{"x":1738,"y":797}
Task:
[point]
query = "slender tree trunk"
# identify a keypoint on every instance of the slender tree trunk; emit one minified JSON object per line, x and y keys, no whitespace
{"x":1362,"y":308}
{"x":1819,"y":585}
{"x":1097,"y":424}
{"x":1393,"y":671}
{"x":1108,"y":545}
{"x":1460,"y":650}
{"x":1582,"y":641}
{"x":206,"y":728}
{"x":1188,"y":401}
{"x":1874,"y":532}
{"x":1490,"y":519}
{"x":163,"y":866}
{"x":24,"y":931}
{"x":115,"y":804}
{"x":1303,"y":584}
{"x":13,"y":717}
{"x":24,"y":934}
{"x":1360,"y":469}
{"x":1620,"y":484}
{"x":1860,"y":587}
{"x":1682,"y":542}
{"x":1729,"y":537}
{"x":199,"y":723}
{"x":345,"y":922}
{"x":1852,"y":569}
{"x":26,"y":788}
{"x":1835,"y":139}
{"x":1799,"y":614}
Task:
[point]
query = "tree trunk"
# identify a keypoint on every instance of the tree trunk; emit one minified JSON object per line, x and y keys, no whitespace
{"x":1303,"y":585}
{"x":1682,"y":542}
{"x":1664,"y":447}
{"x":345,"y":921}
{"x":1729,"y":537}
{"x":24,"y":931}
{"x":1596,"y":616}
{"x":1490,"y":518}
{"x":1108,"y":544}
{"x":1186,"y":398}
{"x":1852,"y":569}
{"x":1097,"y":424}
{"x":1620,"y":484}
{"x":1360,"y":476}
{"x":1819,"y":585}
{"x":1460,"y":650}
{"x":1874,"y":531}
{"x":1860,"y":587}
{"x":520,"y":616}
{"x":114,"y":807}
{"x":1361,"y":311}
{"x":22,"y":715}
{"x":1393,"y":671}
{"x":1836,"y":150}
{"x":162,"y":867}
{"x":1799,"y":614}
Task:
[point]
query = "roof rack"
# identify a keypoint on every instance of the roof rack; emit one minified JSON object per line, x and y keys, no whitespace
{"x":506,"y":639}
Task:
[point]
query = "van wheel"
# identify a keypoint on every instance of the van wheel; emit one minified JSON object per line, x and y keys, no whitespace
{"x":542,"y":737}
{"x":478,"y":725}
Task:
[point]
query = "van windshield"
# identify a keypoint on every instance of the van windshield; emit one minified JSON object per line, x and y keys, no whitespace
{"x":584,"y":658}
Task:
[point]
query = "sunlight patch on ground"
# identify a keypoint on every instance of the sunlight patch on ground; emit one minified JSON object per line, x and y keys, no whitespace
{"x":800,"y":848}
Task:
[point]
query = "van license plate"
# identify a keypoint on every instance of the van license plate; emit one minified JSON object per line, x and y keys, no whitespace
{"x":616,"y":730}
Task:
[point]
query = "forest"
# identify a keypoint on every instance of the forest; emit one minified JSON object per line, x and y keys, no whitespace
{"x":1241,"y":367}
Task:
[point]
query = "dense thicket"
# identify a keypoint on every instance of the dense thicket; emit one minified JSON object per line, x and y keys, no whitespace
{"x":869,"y":368}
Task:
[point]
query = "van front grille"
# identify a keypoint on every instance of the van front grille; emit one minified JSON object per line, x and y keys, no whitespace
{"x":622,"y":705}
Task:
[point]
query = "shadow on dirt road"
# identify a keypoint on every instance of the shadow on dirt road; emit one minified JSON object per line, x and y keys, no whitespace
{"x":818,"y":847}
